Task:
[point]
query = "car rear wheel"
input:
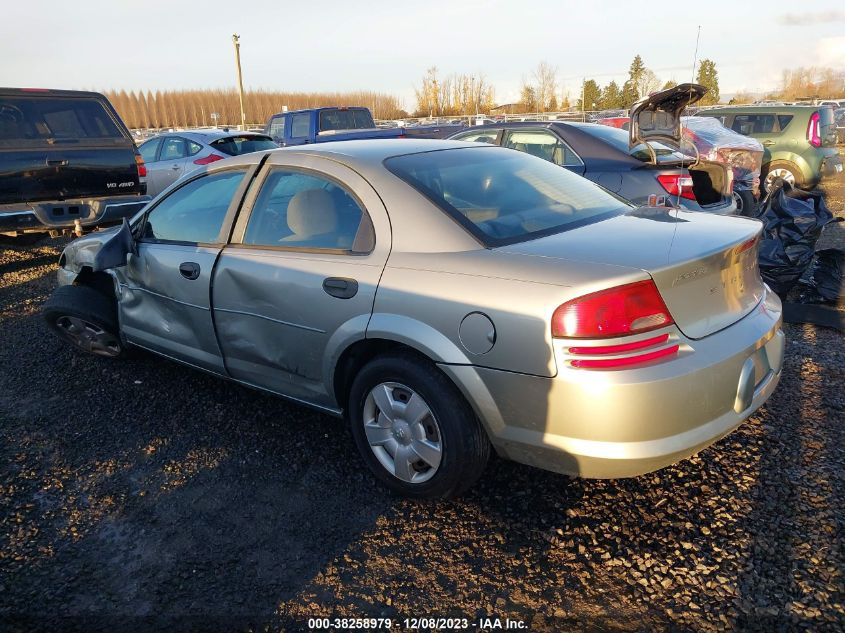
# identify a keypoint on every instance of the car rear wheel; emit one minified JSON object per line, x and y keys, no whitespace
{"x":86,"y":319}
{"x":745,"y":203}
{"x":783,"y":170}
{"x":414,"y":429}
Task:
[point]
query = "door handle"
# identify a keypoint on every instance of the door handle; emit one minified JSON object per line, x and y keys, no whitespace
{"x":59,"y":162}
{"x":340,"y":287}
{"x":189,"y":270}
{"x":176,"y":167}
{"x":768,"y":143}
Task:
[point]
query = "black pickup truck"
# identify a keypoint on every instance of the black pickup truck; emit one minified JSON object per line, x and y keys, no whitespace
{"x":67,"y":162}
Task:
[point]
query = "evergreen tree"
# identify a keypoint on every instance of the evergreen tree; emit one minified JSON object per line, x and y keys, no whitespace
{"x":611,"y":97}
{"x":591,"y":94}
{"x":708,"y":77}
{"x":669,"y":84}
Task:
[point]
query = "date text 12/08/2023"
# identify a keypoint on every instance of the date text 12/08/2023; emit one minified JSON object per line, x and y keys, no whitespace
{"x":415,"y":624}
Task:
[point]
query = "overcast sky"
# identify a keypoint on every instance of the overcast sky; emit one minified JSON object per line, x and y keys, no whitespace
{"x":386,"y":46}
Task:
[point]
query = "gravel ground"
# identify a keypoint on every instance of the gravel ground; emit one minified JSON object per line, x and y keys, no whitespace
{"x":142,"y":495}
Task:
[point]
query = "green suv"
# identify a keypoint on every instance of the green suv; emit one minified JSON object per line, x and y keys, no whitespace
{"x":799,"y":142}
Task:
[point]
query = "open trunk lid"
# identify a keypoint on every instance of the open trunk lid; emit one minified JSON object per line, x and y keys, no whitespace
{"x":704,"y":265}
{"x":658,"y":117}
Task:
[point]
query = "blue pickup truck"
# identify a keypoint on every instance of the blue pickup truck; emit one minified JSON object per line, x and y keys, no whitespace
{"x":320,"y":125}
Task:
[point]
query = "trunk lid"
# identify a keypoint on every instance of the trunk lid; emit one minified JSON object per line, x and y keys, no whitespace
{"x":658,"y":117}
{"x":704,"y":265}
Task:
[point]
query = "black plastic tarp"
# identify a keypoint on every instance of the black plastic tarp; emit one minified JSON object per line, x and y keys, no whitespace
{"x":793,"y":221}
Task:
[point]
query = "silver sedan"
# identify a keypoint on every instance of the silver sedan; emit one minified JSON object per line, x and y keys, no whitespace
{"x":171,"y":155}
{"x":448,"y":299}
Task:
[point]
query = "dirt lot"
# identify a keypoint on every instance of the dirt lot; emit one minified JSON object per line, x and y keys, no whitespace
{"x":142,"y":495}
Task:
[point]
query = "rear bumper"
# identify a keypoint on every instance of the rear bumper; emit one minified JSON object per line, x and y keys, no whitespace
{"x":610,"y":424}
{"x":45,"y":216}
{"x":832,"y":167}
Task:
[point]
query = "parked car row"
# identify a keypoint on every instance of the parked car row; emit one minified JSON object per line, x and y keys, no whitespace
{"x":641,"y":167}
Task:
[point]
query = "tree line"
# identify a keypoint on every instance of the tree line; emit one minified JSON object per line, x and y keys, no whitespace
{"x":197,"y":108}
{"x":540,"y":91}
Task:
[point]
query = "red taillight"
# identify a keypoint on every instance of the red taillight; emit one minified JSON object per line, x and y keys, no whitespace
{"x":142,"y":168}
{"x":620,"y":311}
{"x":814,"y":133}
{"x":676,"y":184}
{"x":211,"y":158}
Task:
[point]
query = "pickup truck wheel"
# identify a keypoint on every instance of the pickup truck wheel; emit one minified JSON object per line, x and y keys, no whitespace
{"x":414,"y":429}
{"x":85,"y":318}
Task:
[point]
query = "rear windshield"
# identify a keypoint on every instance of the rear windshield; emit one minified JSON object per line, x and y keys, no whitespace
{"x":619,"y":139}
{"x":55,"y":119}
{"x":357,"y":119}
{"x":502,"y":196}
{"x":237,"y":145}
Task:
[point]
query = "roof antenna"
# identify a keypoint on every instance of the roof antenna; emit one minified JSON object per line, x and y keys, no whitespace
{"x":695,"y":55}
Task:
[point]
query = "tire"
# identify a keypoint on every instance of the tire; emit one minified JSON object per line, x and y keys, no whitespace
{"x":85,"y":318}
{"x":781,"y":169}
{"x":445,"y":421}
{"x":745,"y":203}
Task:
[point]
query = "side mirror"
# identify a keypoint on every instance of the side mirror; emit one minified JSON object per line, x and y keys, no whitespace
{"x":113,"y":252}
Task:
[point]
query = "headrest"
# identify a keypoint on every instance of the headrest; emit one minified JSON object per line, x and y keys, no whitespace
{"x":312,"y":212}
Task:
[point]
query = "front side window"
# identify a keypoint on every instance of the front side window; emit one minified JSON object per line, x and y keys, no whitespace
{"x":173,"y":148}
{"x":483,"y":136}
{"x":300,"y":124}
{"x":195,"y":212}
{"x":505,"y":197}
{"x":299,"y":210}
{"x":542,"y":144}
{"x":148,"y":150}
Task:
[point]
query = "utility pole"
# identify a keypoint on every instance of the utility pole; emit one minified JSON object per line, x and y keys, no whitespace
{"x":236,"y":41}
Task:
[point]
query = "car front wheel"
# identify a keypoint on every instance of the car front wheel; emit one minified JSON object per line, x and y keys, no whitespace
{"x":414,"y":429}
{"x":86,"y":319}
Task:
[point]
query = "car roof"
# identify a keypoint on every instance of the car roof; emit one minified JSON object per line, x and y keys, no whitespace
{"x":364,"y":155}
{"x":764,"y":109}
{"x":48,"y":92}
{"x":321,"y":109}
{"x":208,"y":135}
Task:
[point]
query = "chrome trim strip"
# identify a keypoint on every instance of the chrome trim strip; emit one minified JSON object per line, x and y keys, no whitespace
{"x":266,"y":318}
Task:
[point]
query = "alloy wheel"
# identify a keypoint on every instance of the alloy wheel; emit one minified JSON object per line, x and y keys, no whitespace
{"x":402,"y":432}
{"x":780,"y":172}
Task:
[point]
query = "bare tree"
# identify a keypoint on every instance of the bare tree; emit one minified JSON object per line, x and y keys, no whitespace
{"x":545,"y":84}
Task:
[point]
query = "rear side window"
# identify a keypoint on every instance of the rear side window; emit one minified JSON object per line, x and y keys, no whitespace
{"x":195,"y":212}
{"x":237,"y":145}
{"x":173,"y":148}
{"x":484,"y":136}
{"x":542,"y":144}
{"x":34,"y":118}
{"x":356,"y":119}
{"x":299,"y":125}
{"x":502,"y":197}
{"x":749,"y":124}
{"x":297,"y":210}
{"x":783,"y":121}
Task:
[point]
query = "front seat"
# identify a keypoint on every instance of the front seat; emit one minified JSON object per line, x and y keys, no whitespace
{"x":312,"y":219}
